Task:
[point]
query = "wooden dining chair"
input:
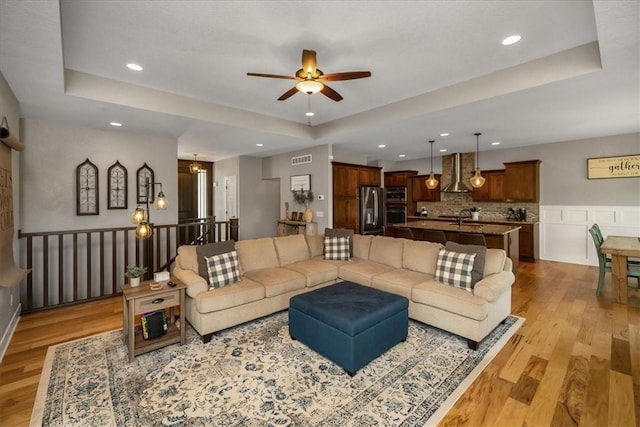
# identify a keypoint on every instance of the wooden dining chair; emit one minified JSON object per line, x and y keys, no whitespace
{"x":472,"y":239}
{"x":604,"y":263}
{"x":596,"y":227}
{"x":433,"y":236}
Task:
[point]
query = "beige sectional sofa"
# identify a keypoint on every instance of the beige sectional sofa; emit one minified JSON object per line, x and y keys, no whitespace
{"x":275,"y":269}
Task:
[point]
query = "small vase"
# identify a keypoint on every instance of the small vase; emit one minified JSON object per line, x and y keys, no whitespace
{"x":308,"y":215}
{"x":134,"y":281}
{"x":475,"y":216}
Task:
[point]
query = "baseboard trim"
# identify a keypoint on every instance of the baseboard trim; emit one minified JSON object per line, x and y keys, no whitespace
{"x":8,"y":333}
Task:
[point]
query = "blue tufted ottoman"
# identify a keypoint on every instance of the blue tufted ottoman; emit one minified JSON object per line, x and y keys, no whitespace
{"x":349,"y":324}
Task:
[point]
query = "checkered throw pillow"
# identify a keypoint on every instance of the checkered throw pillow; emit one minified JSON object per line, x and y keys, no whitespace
{"x":336,"y":248}
{"x":223,"y":269}
{"x":454,"y":269}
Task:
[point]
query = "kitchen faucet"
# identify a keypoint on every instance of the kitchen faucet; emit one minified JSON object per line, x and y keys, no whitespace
{"x":460,"y":215}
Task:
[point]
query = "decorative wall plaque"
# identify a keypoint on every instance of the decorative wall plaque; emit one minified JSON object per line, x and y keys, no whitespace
{"x":87,"y":201}
{"x":142,"y":192}
{"x":614,"y":167}
{"x":117,"y":187}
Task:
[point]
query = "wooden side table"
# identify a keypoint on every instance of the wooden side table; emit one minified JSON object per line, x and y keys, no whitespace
{"x":142,"y":299}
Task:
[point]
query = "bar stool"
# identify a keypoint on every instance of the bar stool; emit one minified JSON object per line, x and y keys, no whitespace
{"x":405,"y":233}
{"x":472,"y":239}
{"x":434,"y":236}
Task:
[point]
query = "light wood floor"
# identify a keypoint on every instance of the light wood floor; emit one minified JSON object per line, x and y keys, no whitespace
{"x":576,"y":360}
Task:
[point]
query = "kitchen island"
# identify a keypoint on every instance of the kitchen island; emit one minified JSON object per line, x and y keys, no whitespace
{"x":498,"y":236}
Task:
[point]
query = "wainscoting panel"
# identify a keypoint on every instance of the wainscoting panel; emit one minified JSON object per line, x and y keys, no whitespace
{"x":564,"y":230}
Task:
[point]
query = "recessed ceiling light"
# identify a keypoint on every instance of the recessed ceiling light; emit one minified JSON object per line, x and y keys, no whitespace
{"x":309,"y":114}
{"x":444,"y":134}
{"x":381,"y":146}
{"x":495,"y":143}
{"x":116,"y":124}
{"x":511,"y":40}
{"x":402,"y":155}
{"x":442,"y":150}
{"x":259,"y":145}
{"x":134,"y":67}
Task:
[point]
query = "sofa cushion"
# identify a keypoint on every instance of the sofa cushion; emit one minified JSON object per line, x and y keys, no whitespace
{"x":209,"y":250}
{"x":494,"y":261}
{"x":339,"y":232}
{"x":421,"y":256}
{"x":291,"y":249}
{"x":361,"y":246}
{"x":387,"y":250}
{"x":243,"y":292}
{"x":316,"y":244}
{"x":223,"y":269}
{"x":256,"y":254}
{"x":478,"y":263}
{"x":451,"y":299}
{"x":278,"y":281}
{"x":399,"y":282}
{"x":362,"y":272}
{"x":188,"y":259}
{"x":316,"y":272}
{"x":336,"y":248}
{"x":454,"y":269}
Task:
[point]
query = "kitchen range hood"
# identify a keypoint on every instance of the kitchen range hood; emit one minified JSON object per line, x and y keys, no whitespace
{"x":456,"y":186}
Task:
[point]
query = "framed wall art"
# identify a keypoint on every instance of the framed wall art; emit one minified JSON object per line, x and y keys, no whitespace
{"x":87,"y":200}
{"x":142,"y":190}
{"x":614,"y":167}
{"x":117,"y":193}
{"x":300,"y":182}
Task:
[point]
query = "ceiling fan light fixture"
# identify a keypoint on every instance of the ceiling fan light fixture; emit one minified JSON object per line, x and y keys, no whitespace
{"x":309,"y":86}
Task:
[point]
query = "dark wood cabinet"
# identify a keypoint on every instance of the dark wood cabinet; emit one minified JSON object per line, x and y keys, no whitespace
{"x":398,"y":178}
{"x":420,"y":192}
{"x":347,"y":179}
{"x":493,"y":188}
{"x":522,"y":181}
{"x":526,"y":243}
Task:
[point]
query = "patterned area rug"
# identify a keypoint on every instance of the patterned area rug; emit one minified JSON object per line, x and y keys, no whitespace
{"x":255,"y":375}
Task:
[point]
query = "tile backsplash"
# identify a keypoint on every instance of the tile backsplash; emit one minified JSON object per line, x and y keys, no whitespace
{"x":451,"y":204}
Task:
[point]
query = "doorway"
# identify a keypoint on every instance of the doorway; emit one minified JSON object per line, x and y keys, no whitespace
{"x":195,"y":197}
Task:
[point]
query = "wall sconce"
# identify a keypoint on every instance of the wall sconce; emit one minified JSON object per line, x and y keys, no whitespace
{"x":141,"y":216}
{"x":7,"y":138}
{"x":195,"y":166}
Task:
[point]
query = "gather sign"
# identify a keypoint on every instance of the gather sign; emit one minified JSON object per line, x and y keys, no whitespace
{"x":614,"y":167}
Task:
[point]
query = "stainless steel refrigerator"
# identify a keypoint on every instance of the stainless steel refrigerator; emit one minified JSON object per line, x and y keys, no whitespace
{"x":371,"y":216}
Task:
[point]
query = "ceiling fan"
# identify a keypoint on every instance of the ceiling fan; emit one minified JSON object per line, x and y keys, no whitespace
{"x":311,"y":79}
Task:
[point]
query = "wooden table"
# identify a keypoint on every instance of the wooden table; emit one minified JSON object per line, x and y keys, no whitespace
{"x":620,"y":248}
{"x":143,"y":299}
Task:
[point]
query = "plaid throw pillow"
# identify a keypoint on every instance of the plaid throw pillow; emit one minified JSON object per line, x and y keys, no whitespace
{"x":223,"y":269}
{"x":336,"y":248}
{"x":454,"y":269}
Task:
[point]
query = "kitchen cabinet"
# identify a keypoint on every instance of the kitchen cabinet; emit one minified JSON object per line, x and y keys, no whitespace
{"x":522,"y":181}
{"x":526,"y":243}
{"x":420,"y":192}
{"x":347,"y":179}
{"x":493,"y":188}
{"x":398,"y":178}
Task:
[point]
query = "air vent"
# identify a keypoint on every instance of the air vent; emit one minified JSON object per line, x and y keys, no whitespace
{"x":301,"y":160}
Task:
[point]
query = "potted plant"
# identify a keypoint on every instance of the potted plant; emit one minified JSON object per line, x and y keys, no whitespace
{"x":304,"y":197}
{"x":134,"y":273}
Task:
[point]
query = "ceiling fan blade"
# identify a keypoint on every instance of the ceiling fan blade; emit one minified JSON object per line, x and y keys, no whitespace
{"x":350,"y":75}
{"x":309,"y":63}
{"x":330,"y":93}
{"x":288,"y":94}
{"x":272,"y":76}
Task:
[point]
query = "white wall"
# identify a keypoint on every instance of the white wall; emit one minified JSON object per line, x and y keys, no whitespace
{"x":321,"y":182}
{"x":48,"y":185}
{"x":10,"y":297}
{"x":258,"y":200}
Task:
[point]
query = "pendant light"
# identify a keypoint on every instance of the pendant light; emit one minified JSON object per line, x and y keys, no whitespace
{"x":195,"y":166}
{"x":432,"y":181}
{"x":477,"y":181}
